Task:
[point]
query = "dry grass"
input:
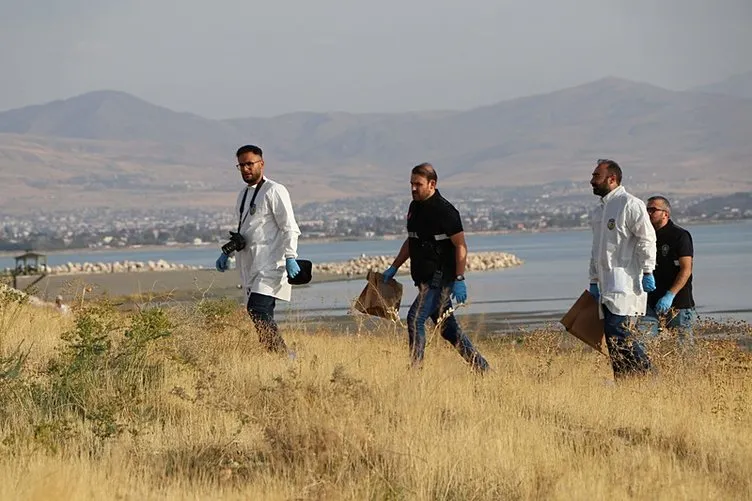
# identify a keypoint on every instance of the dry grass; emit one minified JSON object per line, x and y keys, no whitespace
{"x":184,"y":404}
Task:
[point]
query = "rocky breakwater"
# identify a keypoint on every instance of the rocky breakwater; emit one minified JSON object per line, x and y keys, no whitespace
{"x":116,"y":267}
{"x":477,"y":261}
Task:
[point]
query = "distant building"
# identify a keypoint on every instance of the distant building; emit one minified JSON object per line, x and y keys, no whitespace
{"x":30,"y":263}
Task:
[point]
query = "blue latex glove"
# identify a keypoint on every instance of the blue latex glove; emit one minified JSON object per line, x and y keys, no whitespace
{"x":648,"y":283}
{"x":459,"y":291}
{"x":389,"y":273}
{"x":293,"y":268}
{"x":221,"y":263}
{"x":664,"y":303}
{"x":594,"y":291}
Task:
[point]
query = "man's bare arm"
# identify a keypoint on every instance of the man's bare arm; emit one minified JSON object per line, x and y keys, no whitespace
{"x":460,"y":251}
{"x":685,"y":270}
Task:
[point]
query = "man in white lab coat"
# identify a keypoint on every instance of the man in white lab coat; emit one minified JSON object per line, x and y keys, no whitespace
{"x":265,"y":245}
{"x":621,"y":266}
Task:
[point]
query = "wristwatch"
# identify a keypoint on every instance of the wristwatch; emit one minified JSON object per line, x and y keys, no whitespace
{"x":460,"y":278}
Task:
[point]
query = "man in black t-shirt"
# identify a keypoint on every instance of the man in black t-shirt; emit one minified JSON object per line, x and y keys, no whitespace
{"x":437,"y":250}
{"x":672,"y":300}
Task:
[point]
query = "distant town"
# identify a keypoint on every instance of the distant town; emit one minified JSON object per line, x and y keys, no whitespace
{"x":551,"y":207}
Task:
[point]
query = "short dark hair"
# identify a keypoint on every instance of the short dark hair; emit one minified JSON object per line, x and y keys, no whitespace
{"x":250,"y":148}
{"x":612,"y":168}
{"x":661,"y":199}
{"x":426,"y":170}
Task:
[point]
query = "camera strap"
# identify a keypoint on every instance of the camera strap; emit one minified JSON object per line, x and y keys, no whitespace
{"x":252,"y":207}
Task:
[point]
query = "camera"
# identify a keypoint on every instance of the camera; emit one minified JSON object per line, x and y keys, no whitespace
{"x":236,"y":243}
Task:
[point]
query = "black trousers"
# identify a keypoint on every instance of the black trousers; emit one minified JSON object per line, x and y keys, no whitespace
{"x":261,"y":309}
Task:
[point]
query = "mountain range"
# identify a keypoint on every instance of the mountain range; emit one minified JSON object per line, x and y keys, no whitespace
{"x":112,"y":149}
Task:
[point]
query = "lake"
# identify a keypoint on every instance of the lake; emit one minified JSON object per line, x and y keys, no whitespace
{"x":554,"y":274}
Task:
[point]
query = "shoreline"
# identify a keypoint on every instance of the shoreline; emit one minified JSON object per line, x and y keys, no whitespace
{"x":496,"y":324}
{"x":324,"y":240}
{"x":135,"y":287}
{"x":476,"y":261}
{"x":130,"y":291}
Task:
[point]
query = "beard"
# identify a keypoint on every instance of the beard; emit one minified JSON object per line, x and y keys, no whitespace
{"x":421,"y":196}
{"x":601,"y":190}
{"x":251,"y":178}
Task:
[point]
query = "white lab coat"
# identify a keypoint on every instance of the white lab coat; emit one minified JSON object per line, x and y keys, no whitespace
{"x":623,"y":249}
{"x":271,"y":236}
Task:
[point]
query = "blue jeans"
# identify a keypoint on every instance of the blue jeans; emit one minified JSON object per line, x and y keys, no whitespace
{"x":624,"y":348}
{"x":261,"y":309}
{"x":433,"y":302}
{"x":682,"y":321}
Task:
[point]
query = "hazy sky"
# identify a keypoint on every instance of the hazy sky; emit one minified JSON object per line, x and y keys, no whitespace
{"x":230,"y":58}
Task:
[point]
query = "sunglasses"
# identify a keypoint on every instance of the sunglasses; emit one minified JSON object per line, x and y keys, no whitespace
{"x":652,"y":210}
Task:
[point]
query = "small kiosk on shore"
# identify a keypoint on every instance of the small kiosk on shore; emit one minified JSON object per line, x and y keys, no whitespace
{"x":30,"y":263}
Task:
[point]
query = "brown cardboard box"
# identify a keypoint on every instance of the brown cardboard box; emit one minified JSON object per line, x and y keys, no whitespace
{"x":378,"y":298}
{"x":582,"y":321}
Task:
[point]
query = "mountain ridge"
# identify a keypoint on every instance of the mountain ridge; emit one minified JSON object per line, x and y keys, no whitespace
{"x":695,"y":140}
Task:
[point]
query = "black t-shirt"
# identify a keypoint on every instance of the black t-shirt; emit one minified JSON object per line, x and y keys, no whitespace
{"x":430,"y":224}
{"x":673,"y":242}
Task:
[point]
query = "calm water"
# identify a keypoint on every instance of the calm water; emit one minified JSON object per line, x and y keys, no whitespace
{"x":554,"y":273}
